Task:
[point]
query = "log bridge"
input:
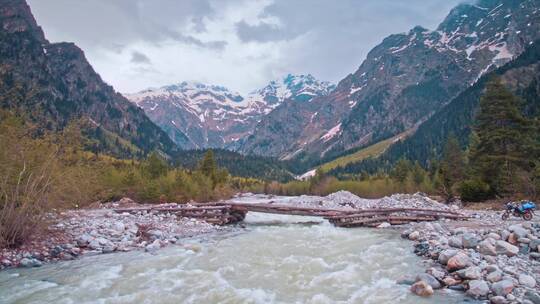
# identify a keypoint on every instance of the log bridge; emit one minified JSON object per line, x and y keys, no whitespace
{"x":230,"y":213}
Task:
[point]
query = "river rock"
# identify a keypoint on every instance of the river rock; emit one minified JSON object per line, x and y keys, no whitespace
{"x":422,"y":289}
{"x":535,"y":245}
{"x":445,"y":255}
{"x":431,"y":280}
{"x":513,"y":239}
{"x":450,"y":281}
{"x":498,"y":300}
{"x":470,"y":240}
{"x":470,"y":273}
{"x":527,"y":280}
{"x":30,"y":262}
{"x":518,"y":231}
{"x":524,"y":240}
{"x":155,"y":235}
{"x":532,"y":296}
{"x":458,"y":261}
{"x":504,"y":235}
{"x":119,"y":227}
{"x":413,"y":236}
{"x":153,"y":247}
{"x":506,"y":248}
{"x":84,"y":240}
{"x":486,"y":247}
{"x":439,"y":274}
{"x":478,"y":289}
{"x":502,"y":288}
{"x":456,"y":241}
{"x":421,"y":248}
{"x":384,"y":225}
{"x":494,"y":276}
{"x":494,"y":236}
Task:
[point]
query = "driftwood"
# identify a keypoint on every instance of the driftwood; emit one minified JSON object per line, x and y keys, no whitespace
{"x":230,"y":212}
{"x":218,"y":215}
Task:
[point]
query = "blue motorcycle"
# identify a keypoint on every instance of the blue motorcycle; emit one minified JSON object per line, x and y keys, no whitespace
{"x":524,"y":209}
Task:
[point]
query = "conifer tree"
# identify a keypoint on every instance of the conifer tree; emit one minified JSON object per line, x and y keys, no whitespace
{"x":504,"y":139}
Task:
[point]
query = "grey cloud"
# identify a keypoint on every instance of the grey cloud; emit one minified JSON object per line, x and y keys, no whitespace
{"x":262,"y":32}
{"x":138,"y":57}
{"x":106,"y":23}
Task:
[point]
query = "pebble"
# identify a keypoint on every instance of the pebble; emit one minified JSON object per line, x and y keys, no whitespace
{"x":502,"y":288}
{"x":478,"y":289}
{"x":527,"y":280}
{"x":422,"y":289}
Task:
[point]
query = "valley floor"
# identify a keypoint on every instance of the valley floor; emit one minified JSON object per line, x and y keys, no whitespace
{"x":484,"y":256}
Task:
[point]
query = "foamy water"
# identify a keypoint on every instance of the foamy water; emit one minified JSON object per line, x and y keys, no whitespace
{"x":276,"y":259}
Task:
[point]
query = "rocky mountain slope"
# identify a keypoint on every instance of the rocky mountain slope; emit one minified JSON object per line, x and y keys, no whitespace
{"x":197,"y":115}
{"x":521,"y":76}
{"x":403,"y":81}
{"x":53,"y":84}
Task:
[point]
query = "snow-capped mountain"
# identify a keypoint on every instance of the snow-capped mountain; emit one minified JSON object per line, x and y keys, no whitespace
{"x":402,"y":82}
{"x":197,"y":115}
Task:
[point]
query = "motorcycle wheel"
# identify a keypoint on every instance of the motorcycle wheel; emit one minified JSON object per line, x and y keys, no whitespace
{"x":527,"y":216}
{"x":505,"y":216}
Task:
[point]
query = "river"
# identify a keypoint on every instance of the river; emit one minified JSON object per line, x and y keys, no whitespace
{"x":274,"y":259}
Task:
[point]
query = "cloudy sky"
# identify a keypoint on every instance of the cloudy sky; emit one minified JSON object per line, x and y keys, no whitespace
{"x":241,"y":44}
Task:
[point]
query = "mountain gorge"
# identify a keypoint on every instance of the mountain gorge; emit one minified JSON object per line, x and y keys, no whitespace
{"x":403,"y":81}
{"x":198,"y":116}
{"x":53,"y":84}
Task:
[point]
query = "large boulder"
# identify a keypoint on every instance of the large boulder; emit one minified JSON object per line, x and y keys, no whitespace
{"x":478,"y":289}
{"x":502,"y":288}
{"x":486,"y":247}
{"x":458,"y":261}
{"x":422,"y":289}
{"x":519,"y":231}
{"x":456,"y":241}
{"x":527,"y":280}
{"x":470,"y":240}
{"x":532,"y":296}
{"x":506,"y":248}
{"x":494,"y":276}
{"x":535,"y":245}
{"x":470,"y":273}
{"x":445,"y":255}
{"x":431,"y":280}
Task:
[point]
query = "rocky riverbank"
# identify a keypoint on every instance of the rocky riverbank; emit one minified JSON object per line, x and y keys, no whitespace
{"x":485,"y":257}
{"x":76,"y":233}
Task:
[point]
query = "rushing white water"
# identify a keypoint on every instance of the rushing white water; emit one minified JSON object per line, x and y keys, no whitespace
{"x":276,"y":259}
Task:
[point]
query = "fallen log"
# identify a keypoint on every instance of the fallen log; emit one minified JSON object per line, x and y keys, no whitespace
{"x":378,"y":220}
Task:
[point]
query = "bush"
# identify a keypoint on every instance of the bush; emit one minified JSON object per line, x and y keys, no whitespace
{"x":474,"y":190}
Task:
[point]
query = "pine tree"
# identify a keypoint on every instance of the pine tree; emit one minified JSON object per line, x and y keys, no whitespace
{"x":504,"y":139}
{"x":155,"y":165}
{"x":452,"y":167}
{"x":401,"y":170}
{"x":208,"y":165}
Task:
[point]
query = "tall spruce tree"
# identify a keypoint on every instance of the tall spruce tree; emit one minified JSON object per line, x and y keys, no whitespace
{"x":452,"y":166}
{"x":504,"y":140}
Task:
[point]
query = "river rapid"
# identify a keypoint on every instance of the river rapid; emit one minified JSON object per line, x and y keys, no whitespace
{"x":274,"y":259}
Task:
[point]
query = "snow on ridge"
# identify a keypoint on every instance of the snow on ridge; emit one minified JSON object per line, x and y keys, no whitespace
{"x":331,"y":133}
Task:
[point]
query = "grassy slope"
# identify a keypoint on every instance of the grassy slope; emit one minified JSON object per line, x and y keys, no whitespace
{"x":370,"y":151}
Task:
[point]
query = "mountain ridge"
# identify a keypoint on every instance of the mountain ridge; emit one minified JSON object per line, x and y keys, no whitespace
{"x":377,"y":101}
{"x":197,"y":115}
{"x":54,"y":84}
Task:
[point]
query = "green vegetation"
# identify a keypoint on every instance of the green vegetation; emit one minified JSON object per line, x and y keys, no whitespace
{"x":371,"y":151}
{"x":41,"y":172}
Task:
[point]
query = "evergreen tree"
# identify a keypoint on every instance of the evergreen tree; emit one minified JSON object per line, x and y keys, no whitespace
{"x":208,"y":164}
{"x":451,"y":168}
{"x":418,"y":174}
{"x":504,"y":140}
{"x":401,"y":170}
{"x":155,"y":165}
